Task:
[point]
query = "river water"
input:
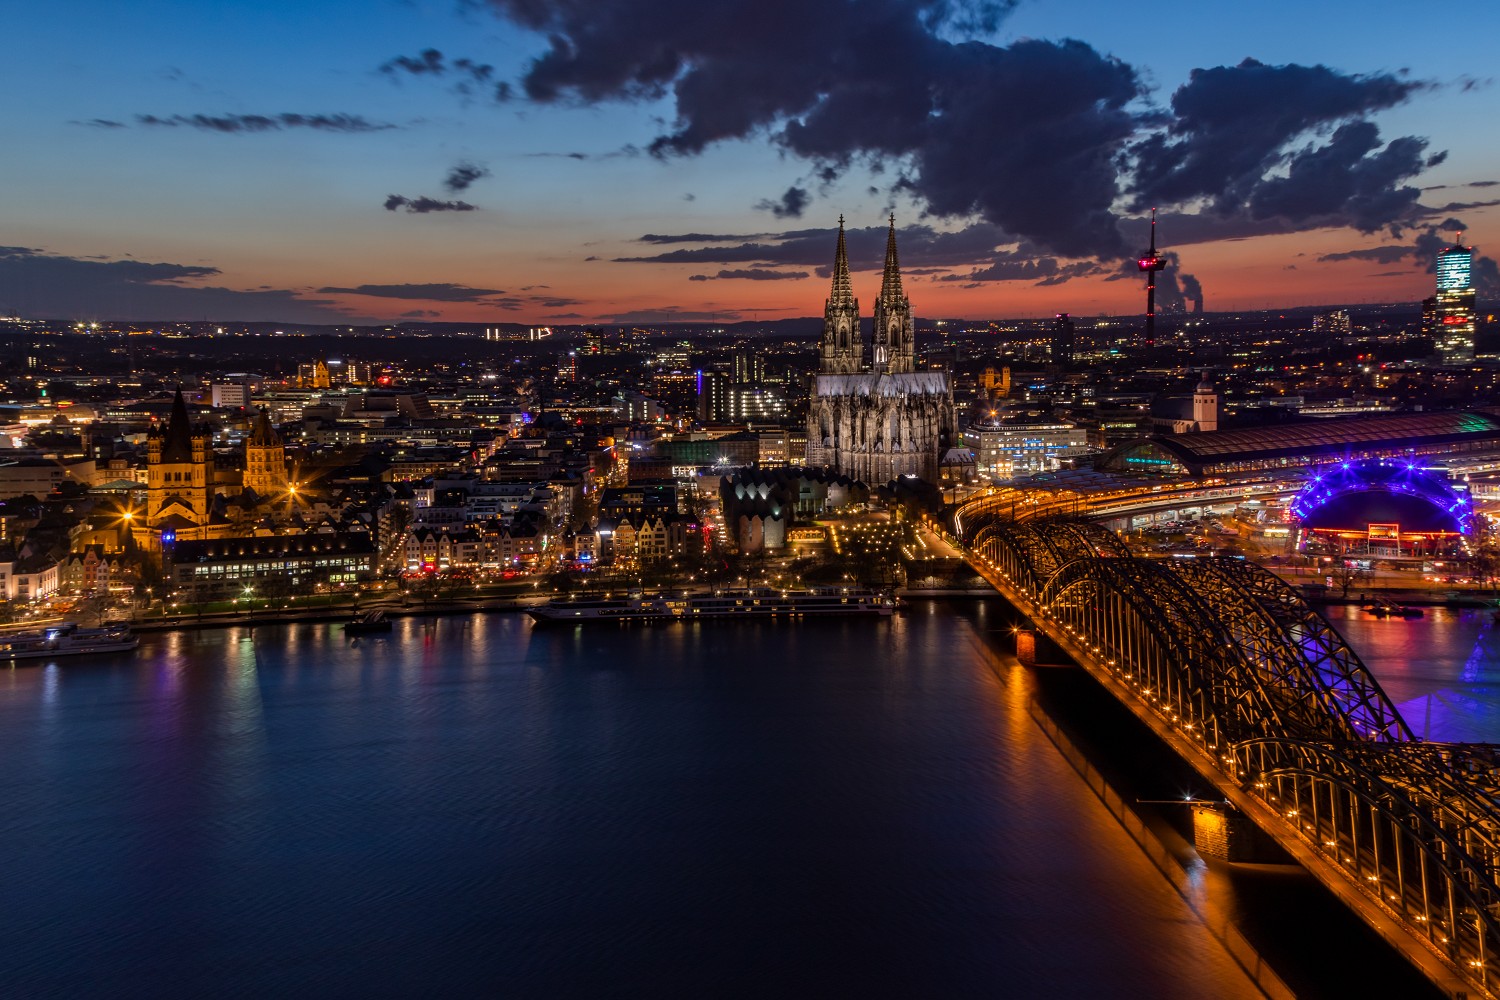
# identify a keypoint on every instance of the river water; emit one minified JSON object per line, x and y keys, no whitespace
{"x":475,"y":806}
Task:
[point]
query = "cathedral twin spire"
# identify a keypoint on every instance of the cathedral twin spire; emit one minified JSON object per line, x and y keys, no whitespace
{"x":842,"y":346}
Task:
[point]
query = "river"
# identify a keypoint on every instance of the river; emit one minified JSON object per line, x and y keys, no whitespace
{"x":475,"y":806}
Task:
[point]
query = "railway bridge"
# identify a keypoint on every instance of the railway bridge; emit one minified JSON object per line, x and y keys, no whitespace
{"x":1230,"y":666}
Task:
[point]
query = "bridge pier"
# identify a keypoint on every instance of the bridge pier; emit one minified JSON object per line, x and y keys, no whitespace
{"x":1222,"y":831}
{"x":1034,"y":649}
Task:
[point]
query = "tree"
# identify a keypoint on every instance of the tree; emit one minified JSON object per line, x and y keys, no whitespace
{"x":1346,"y":573}
{"x":1484,"y":548}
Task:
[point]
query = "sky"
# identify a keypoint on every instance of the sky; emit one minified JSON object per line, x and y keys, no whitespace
{"x":638,"y":161}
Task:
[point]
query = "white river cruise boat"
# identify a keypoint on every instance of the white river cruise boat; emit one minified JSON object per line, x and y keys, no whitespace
{"x":750,"y":603}
{"x":66,"y":639}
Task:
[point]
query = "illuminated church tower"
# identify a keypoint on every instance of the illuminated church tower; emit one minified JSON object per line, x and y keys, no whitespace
{"x":895,"y":330}
{"x":842,"y":349}
{"x":179,"y":475}
{"x":265,"y":459}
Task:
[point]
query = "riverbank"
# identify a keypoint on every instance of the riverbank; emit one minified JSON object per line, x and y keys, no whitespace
{"x":175,"y":623}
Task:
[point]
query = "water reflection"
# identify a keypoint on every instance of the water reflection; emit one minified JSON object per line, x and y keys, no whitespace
{"x":1439,"y":669}
{"x":477,"y":807}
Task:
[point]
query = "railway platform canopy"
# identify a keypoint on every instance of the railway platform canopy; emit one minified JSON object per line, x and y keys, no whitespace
{"x":1308,"y":443}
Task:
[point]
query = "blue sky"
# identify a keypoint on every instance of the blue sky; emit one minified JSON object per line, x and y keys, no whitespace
{"x":281,"y":214}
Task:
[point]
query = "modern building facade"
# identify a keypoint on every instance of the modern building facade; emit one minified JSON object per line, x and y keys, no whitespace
{"x":1004,"y":449}
{"x":1449,"y":316}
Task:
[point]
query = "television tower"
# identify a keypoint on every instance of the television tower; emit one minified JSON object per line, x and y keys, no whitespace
{"x":1151,"y":262}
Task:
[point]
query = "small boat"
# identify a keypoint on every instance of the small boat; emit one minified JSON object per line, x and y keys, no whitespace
{"x":368,"y":623}
{"x":66,"y":639}
{"x":1387,"y":609}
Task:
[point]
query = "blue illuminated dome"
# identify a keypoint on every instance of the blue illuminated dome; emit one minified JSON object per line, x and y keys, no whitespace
{"x":1351,"y":496}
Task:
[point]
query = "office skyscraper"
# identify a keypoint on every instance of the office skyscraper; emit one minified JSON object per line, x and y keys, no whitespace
{"x":1449,"y":316}
{"x":1062,"y":340}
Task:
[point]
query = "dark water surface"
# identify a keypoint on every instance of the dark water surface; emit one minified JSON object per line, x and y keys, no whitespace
{"x":1442,"y":670}
{"x":476,"y":807}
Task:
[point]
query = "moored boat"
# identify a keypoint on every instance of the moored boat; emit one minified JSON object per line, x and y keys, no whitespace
{"x":66,"y":639}
{"x":1382,"y":608}
{"x":368,"y":623}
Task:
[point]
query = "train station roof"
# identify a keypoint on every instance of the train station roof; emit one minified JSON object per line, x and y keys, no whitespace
{"x":1322,"y":440}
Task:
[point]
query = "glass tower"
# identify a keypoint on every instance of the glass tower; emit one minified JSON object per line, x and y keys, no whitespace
{"x":1454,"y":266}
{"x":1451,"y":318}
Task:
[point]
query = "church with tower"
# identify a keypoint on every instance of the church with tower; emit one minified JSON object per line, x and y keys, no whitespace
{"x":880,"y":420}
{"x":180,"y":475}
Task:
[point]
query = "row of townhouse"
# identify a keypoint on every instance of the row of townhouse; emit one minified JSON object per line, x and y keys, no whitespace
{"x":491,"y":546}
{"x":648,"y":539}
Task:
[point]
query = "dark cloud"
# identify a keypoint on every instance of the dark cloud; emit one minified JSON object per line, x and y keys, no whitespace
{"x":461,"y":176}
{"x":35,"y":283}
{"x":1466,"y":206}
{"x":1380,"y":255}
{"x":1039,"y":138}
{"x":921,"y":246}
{"x":789,"y":206}
{"x":231,"y":124}
{"x":429,"y":292}
{"x":420,"y":313}
{"x":100,"y":123}
{"x":429,"y":62}
{"x":468,"y":74}
{"x":1229,"y":142}
{"x":422,"y":205}
{"x":1422,"y":253}
{"x":751,"y":274}
{"x":694,"y":238}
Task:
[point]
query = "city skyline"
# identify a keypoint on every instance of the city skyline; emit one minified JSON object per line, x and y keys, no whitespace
{"x":357,"y":162}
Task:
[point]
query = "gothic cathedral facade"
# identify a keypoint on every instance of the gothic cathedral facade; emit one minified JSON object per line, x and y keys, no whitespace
{"x":884,"y":420}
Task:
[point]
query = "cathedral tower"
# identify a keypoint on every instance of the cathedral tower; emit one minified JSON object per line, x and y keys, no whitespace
{"x":842,"y":349}
{"x":265,"y":459}
{"x":895,"y":330}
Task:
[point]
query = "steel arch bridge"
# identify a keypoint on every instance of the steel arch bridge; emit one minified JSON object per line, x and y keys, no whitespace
{"x":1230,"y":665}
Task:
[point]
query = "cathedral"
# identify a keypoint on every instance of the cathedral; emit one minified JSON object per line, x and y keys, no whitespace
{"x":883,"y":420}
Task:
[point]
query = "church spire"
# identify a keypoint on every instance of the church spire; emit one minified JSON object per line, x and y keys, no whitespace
{"x":842,"y":293}
{"x":841,"y":349}
{"x":890,"y":283}
{"x":895,"y":330}
{"x":177,"y":446}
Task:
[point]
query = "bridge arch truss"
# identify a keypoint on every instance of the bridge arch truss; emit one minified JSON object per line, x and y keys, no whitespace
{"x":1232,"y":660}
